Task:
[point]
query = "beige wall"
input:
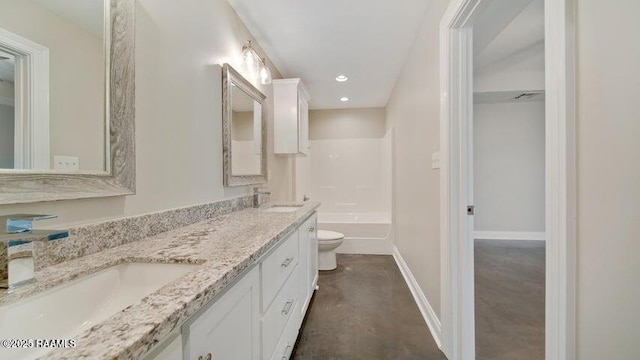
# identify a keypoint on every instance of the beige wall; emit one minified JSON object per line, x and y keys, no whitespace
{"x":178,"y":113}
{"x":608,"y":180}
{"x":7,"y":90}
{"x":242,"y":127}
{"x":347,"y":124}
{"x":76,"y":89}
{"x":413,"y":112}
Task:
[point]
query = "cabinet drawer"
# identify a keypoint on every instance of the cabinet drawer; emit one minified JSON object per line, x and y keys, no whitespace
{"x":285,"y":307}
{"x":285,"y":346}
{"x":277,"y":267}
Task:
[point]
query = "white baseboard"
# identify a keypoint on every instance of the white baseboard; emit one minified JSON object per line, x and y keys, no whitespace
{"x":509,"y":235}
{"x":366,"y":246}
{"x":428,"y":314}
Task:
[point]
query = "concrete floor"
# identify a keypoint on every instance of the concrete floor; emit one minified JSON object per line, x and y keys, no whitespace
{"x":364,"y":310}
{"x":509,"y":299}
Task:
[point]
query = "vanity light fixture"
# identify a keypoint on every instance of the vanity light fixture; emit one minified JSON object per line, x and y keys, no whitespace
{"x":253,"y":63}
{"x":342,"y":78}
{"x":265,"y":73}
{"x":344,"y":99}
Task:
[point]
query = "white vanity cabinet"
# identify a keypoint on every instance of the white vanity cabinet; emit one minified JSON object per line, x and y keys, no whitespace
{"x":291,"y":117}
{"x":228,"y":329}
{"x":258,"y":317}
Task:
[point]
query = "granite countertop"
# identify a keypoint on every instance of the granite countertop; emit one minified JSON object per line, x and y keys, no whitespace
{"x":225,"y":246}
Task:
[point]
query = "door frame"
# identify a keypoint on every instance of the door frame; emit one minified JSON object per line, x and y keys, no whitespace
{"x":456,"y":135}
{"x":31,"y":102}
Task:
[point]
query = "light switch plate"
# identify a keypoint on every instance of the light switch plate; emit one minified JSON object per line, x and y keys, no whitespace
{"x":66,"y":163}
{"x":435,"y":160}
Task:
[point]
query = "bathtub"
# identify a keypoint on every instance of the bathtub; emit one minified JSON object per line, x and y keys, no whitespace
{"x":364,"y":233}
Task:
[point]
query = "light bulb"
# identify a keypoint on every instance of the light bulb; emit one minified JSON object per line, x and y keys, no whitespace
{"x":265,"y":74}
{"x":249,"y":60}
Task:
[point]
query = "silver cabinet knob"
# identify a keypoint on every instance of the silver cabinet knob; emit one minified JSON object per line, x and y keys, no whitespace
{"x":287,"y":262}
{"x":209,"y":356}
{"x":287,"y":307}
{"x":287,"y":352}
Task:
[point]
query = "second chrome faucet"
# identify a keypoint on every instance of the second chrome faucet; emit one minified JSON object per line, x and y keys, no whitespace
{"x":17,"y":250}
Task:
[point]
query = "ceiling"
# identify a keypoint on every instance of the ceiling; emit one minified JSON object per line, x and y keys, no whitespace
{"x":507,"y":28}
{"x":367,"y":40}
{"x":87,"y":14}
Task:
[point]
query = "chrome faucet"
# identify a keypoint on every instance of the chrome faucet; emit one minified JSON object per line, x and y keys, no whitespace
{"x":256,"y":196}
{"x":16,"y":243}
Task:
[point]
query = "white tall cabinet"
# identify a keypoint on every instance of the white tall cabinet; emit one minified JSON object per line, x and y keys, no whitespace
{"x":291,"y":117}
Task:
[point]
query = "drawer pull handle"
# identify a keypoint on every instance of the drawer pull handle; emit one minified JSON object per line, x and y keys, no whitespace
{"x":287,"y":262}
{"x":312,"y":229}
{"x":287,"y":352}
{"x":287,"y":307}
{"x":208,"y":356}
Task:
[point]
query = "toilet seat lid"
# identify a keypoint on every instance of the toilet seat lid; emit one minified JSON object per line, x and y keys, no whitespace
{"x":327,"y":235}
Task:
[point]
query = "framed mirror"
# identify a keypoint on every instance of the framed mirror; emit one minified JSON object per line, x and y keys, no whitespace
{"x":66,"y":99}
{"x":243,"y":130}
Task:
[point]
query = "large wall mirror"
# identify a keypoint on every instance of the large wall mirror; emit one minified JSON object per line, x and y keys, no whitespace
{"x":66,"y":99}
{"x":244,"y":149}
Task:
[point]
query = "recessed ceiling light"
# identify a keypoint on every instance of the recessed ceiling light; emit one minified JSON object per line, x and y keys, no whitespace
{"x":342,"y":78}
{"x":344,"y":99}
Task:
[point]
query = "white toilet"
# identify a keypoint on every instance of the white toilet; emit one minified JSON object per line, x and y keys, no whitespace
{"x":328,"y":241}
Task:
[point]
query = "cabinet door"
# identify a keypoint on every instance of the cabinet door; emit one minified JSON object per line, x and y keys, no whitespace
{"x":303,"y":265}
{"x":229,"y":329}
{"x":308,"y":262}
{"x":169,"y":349}
{"x":303,"y":118}
{"x":313,"y":254}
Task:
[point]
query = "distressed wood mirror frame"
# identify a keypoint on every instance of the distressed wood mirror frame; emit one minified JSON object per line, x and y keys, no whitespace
{"x":232,"y":77}
{"x":119,"y":178}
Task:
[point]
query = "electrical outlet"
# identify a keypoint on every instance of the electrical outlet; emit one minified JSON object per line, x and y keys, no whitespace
{"x":66,"y":163}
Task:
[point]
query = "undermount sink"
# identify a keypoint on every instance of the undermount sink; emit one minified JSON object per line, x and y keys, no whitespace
{"x":283,"y":208}
{"x":66,"y":310}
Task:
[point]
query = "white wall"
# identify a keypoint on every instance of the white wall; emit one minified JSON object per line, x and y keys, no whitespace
{"x":346,"y":175}
{"x":413,"y":114}
{"x":178,"y":114}
{"x":7,"y":116}
{"x":349,"y":160}
{"x":76,"y":86}
{"x":509,"y":166}
{"x":608,"y":126}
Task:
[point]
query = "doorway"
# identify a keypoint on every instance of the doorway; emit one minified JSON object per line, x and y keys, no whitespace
{"x":457,"y":177}
{"x":508,"y":180}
